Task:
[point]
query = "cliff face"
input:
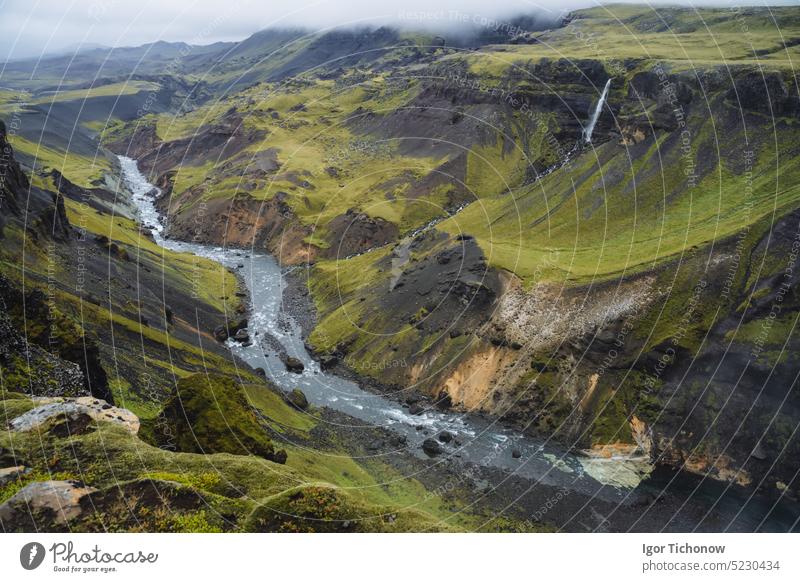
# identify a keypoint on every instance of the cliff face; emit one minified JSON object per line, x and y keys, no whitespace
{"x":42,"y":213}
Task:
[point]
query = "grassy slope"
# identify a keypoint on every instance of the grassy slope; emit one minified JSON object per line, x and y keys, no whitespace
{"x":309,"y":141}
{"x":111,"y":90}
{"x":181,"y":268}
{"x":685,"y":37}
{"x":604,"y":230}
{"x":547,"y":231}
{"x":586,"y":223}
{"x":81,"y":170}
{"x":322,"y":485}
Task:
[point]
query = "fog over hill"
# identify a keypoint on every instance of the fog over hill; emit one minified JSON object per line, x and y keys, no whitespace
{"x":53,"y":27}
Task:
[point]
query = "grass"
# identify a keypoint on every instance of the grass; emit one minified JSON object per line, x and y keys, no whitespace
{"x":573,"y":230}
{"x":684,"y":37}
{"x":181,"y":268}
{"x":322,"y":487}
{"x":280,"y":415}
{"x":81,"y":170}
{"x":111,"y":90}
{"x":309,"y":142}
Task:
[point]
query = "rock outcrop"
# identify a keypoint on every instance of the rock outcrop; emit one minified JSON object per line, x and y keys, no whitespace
{"x":74,"y":411}
{"x":41,"y":213}
{"x":43,"y":502}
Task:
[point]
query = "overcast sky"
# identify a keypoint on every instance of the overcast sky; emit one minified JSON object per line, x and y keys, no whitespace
{"x":32,"y":27}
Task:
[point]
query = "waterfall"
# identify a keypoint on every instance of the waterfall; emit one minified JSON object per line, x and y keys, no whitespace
{"x":587,"y":131}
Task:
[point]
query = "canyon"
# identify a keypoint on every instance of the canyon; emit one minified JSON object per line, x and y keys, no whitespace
{"x":576,"y":263}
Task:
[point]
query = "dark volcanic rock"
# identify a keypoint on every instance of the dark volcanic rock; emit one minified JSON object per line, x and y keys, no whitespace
{"x":443,"y":401}
{"x":766,"y":93}
{"x":279,"y":457}
{"x":219,"y":140}
{"x":355,"y":232}
{"x":375,"y":445}
{"x":220,"y":333}
{"x":297,"y":399}
{"x":445,"y":436}
{"x":294,"y":365}
{"x":40,"y":212}
{"x":432,"y":447}
{"x":328,"y":362}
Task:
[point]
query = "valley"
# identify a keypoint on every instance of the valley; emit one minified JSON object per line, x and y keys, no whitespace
{"x":386,"y":280}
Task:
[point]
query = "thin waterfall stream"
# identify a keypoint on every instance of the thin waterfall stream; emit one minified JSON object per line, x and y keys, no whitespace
{"x":589,"y":129}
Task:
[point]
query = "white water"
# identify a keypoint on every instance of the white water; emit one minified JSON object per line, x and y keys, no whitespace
{"x":589,"y":129}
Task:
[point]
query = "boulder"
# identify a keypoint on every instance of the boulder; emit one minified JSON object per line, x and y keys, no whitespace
{"x":56,"y":501}
{"x":220,"y":333}
{"x":294,"y":365}
{"x":432,"y":447}
{"x":77,"y":412}
{"x":235,"y":326}
{"x":516,"y":453}
{"x":279,"y":457}
{"x":413,"y":398}
{"x":297,"y":399}
{"x":443,"y":400}
{"x":328,"y":362}
{"x":445,"y":436}
{"x":242,"y":336}
{"x":375,"y":445}
{"x":415,"y":409}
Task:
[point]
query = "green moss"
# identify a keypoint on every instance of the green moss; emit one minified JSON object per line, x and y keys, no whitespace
{"x":80,"y":170}
{"x":319,"y":508}
{"x":279,"y":415}
{"x":124,"y":397}
{"x":210,"y":414}
{"x":195,"y":522}
{"x":205,"y":480}
{"x":601,"y":223}
{"x":13,"y":405}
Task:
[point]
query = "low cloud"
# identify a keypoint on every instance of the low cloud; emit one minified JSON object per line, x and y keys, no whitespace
{"x":31,"y":28}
